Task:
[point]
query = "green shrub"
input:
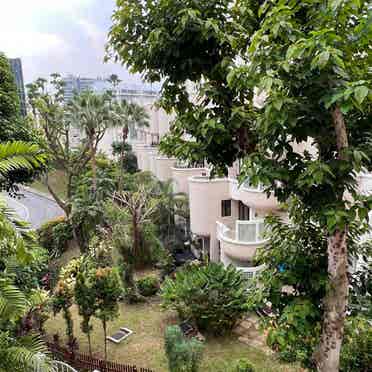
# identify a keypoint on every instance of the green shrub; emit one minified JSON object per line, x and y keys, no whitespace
{"x":356,"y":352}
{"x":183,"y":355}
{"x":148,"y":286}
{"x":55,"y":235}
{"x":212,"y":296}
{"x":243,"y":365}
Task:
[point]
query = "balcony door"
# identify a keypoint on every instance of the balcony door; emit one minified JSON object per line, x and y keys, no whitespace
{"x":244,"y":212}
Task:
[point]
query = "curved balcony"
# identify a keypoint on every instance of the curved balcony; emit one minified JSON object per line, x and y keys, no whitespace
{"x":181,"y":172}
{"x":241,"y":243}
{"x":254,"y":196}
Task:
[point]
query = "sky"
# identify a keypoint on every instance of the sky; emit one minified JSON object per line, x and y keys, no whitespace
{"x":64,"y":36}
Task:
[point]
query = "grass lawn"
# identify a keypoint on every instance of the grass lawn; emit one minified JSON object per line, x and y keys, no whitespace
{"x":144,"y":348}
{"x":57,"y":180}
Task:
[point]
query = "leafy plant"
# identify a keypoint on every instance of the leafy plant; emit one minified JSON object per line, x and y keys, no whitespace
{"x":183,"y":355}
{"x":55,"y":235}
{"x":356,"y":349}
{"x":148,"y":286}
{"x":212,"y":296}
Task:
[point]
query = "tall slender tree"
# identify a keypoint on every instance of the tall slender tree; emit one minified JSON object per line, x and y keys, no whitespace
{"x":312,"y":61}
{"x":92,"y":113}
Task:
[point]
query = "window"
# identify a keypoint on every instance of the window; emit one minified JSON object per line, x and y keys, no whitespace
{"x":225,"y":208}
{"x":243,"y":212}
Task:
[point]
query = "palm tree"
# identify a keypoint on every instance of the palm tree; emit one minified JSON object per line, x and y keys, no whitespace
{"x":129,"y":116}
{"x":93,"y":114}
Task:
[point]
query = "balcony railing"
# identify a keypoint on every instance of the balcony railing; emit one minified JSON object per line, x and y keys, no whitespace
{"x":245,"y":231}
{"x":251,"y":272}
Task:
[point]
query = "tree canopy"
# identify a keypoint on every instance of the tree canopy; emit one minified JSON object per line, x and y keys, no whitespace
{"x":309,"y":62}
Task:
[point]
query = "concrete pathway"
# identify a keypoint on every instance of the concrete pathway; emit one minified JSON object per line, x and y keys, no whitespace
{"x":33,"y":207}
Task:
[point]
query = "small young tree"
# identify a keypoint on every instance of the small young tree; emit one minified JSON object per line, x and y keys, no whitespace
{"x":62,"y":301}
{"x":85,"y":298}
{"x":107,"y":291}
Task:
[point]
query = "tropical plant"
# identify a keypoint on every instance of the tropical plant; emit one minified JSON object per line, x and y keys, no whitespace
{"x":212,"y":296}
{"x":13,"y":127}
{"x":129,"y":116}
{"x":266,"y":77}
{"x":107,"y":291}
{"x":183,"y":355}
{"x":93,"y":114}
{"x":148,"y":286}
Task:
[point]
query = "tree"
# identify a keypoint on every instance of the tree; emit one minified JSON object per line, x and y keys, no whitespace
{"x":129,"y":116}
{"x":107,"y":290}
{"x":140,"y":205}
{"x":92,"y":113}
{"x":85,"y":298}
{"x":55,"y":121}
{"x":312,"y":61}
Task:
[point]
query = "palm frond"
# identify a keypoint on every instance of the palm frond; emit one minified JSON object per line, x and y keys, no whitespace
{"x":30,"y":353}
{"x":13,"y":303}
{"x":19,"y":155}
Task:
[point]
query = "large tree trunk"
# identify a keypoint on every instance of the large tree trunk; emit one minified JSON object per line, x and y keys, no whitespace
{"x":327,"y":357}
{"x":335,"y":303}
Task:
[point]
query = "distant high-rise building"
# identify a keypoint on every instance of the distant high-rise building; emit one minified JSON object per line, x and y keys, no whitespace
{"x":16,"y":65}
{"x":139,"y":93}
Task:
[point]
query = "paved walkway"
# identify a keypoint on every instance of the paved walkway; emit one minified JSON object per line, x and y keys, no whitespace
{"x":33,"y":207}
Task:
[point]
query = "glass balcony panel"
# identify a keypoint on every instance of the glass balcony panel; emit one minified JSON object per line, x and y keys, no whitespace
{"x":246,"y":232}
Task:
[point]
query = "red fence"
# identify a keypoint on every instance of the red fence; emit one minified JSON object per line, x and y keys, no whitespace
{"x":87,"y":363}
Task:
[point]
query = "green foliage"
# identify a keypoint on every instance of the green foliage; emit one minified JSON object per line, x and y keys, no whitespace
{"x":183,"y":355}
{"x":85,"y":297}
{"x":356,"y":349}
{"x":9,"y":100}
{"x":129,"y":161}
{"x":148,"y":286}
{"x":212,"y":296}
{"x":242,"y":365}
{"x":55,"y":236}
